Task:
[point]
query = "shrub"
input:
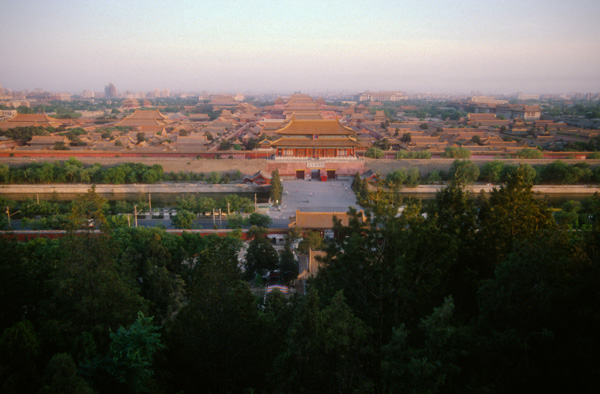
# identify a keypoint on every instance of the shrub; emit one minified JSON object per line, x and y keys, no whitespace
{"x":528,"y":153}
{"x":464,"y":170}
{"x":492,"y":171}
{"x":434,"y":177}
{"x":374,"y":153}
{"x":456,"y":153}
{"x":413,"y":154}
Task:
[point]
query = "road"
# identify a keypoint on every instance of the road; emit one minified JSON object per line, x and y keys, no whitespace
{"x":312,"y":196}
{"x":305,"y":196}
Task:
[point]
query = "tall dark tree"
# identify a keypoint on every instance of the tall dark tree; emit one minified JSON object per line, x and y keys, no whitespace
{"x":261,"y":257}
{"x":326,"y":349}
{"x":288,"y":264}
{"x":276,"y":189}
{"x":217,"y":338}
{"x":425,"y":361}
{"x":88,"y":211}
{"x":511,"y":215}
{"x":146,"y":261}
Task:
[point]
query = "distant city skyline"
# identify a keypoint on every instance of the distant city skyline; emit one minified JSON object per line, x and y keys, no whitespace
{"x":538,"y":47}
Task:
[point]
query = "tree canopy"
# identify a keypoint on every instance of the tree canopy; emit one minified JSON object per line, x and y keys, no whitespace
{"x":459,"y":294}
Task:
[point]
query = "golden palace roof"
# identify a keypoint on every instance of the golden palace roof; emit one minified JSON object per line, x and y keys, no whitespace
{"x":301,"y":102}
{"x":318,"y":143}
{"x":144,"y":118}
{"x":315,"y":127}
{"x":147,"y":114}
{"x":320,"y":220}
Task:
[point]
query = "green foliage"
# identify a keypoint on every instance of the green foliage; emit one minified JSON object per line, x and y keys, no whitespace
{"x":20,"y":349}
{"x":212,"y":115}
{"x":311,"y":240}
{"x":276,"y":188}
{"x":491,"y":171}
{"x":559,"y":172}
{"x":235,"y":221}
{"x":460,"y":153}
{"x":25,"y":110}
{"x":259,"y":220}
{"x":425,"y":364}
{"x":235,"y":203}
{"x":232,"y":359}
{"x":464,"y":171}
{"x":511,"y":213}
{"x":132,"y":352}
{"x":402,"y":154}
{"x":402,"y":176}
{"x":184,"y":219}
{"x":60,"y":376}
{"x":374,"y":153}
{"x":24,"y":134}
{"x":60,"y":145}
{"x":87,"y":211}
{"x":528,"y":153}
{"x":326,"y":349}
{"x":479,"y":295}
{"x":261,"y":257}
{"x":225,"y":145}
{"x":288,"y":264}
{"x":214,"y":177}
{"x":73,"y":171}
{"x":434,"y":177}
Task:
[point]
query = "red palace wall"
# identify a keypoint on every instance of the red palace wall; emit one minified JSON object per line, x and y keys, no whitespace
{"x":199,"y":154}
{"x":342,"y":169}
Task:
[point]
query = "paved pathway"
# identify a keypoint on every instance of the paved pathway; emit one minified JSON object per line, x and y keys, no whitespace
{"x":314,"y":196}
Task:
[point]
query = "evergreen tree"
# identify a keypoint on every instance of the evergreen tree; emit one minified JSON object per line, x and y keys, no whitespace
{"x":261,"y":257}
{"x":276,"y":189}
{"x":326,"y":350}
{"x":510,"y":215}
{"x":288,"y":264}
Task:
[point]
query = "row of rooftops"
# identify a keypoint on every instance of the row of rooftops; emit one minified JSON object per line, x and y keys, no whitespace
{"x":364,"y":131}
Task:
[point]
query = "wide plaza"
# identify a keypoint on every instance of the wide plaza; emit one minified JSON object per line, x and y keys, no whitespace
{"x":313,"y":196}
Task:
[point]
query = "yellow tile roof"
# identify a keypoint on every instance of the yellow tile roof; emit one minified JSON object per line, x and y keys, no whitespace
{"x":147,"y":114}
{"x":319,"y":220}
{"x":315,"y":126}
{"x":318,"y":143}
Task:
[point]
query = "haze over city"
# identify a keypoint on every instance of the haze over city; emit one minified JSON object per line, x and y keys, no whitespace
{"x":285,"y":46}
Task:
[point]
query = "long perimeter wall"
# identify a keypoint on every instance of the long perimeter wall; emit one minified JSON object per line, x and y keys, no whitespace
{"x":175,"y":164}
{"x":250,"y":166}
{"x":163,"y":188}
{"x":383,"y":167}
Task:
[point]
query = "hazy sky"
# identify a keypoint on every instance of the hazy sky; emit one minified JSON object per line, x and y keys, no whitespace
{"x":546,"y":46}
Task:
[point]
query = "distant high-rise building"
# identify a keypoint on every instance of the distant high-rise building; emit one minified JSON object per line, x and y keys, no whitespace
{"x":110,"y":91}
{"x":61,"y":96}
{"x":165,"y":93}
{"x":88,"y":94}
{"x":382,"y":96}
{"x":487,"y":100}
{"x":523,"y":96}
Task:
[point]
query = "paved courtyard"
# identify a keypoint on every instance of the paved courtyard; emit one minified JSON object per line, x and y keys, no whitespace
{"x":313,"y":196}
